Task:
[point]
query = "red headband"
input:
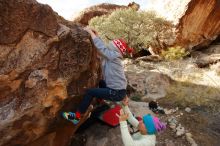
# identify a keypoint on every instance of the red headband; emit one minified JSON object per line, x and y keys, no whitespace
{"x":122,"y":46}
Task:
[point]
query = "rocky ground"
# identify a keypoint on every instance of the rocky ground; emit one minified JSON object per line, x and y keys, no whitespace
{"x":199,"y":126}
{"x":186,"y":126}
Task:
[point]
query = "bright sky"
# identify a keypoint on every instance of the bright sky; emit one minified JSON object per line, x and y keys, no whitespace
{"x":70,"y":8}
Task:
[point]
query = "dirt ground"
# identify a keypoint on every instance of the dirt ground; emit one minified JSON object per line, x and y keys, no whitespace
{"x":202,"y":122}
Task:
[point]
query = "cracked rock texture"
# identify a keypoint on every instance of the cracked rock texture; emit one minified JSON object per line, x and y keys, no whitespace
{"x":39,"y":74}
{"x":197,"y":21}
{"x":200,"y":24}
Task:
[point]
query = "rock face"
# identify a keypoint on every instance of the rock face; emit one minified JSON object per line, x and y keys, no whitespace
{"x":200,"y":25}
{"x":146,"y":80}
{"x":99,"y":10}
{"x":39,"y":73}
{"x":198,"y":21}
{"x":16,"y":19}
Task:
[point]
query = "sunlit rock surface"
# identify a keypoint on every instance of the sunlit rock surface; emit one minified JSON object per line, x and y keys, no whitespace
{"x":198,"y":21}
{"x":169,"y":9}
{"x":181,"y":79}
{"x":200,"y":25}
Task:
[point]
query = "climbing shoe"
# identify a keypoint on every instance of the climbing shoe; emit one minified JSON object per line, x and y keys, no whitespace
{"x":72,"y":117}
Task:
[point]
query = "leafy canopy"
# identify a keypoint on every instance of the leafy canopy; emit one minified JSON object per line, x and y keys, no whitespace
{"x":174,"y":53}
{"x":138,"y":28}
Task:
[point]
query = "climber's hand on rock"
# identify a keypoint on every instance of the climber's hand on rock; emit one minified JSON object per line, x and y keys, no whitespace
{"x":91,"y":31}
{"x":63,"y":31}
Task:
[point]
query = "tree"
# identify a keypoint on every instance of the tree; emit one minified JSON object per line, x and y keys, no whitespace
{"x":140,"y":29}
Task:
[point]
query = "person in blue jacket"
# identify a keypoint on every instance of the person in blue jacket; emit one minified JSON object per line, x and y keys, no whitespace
{"x":113,"y":74}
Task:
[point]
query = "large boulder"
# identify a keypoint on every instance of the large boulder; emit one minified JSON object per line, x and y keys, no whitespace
{"x":200,"y":25}
{"x":197,"y":21}
{"x":17,"y":18}
{"x":147,"y":82}
{"x":207,"y":57}
{"x":39,"y":73}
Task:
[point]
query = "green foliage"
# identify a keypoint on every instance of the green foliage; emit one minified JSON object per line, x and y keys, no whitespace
{"x":174,"y":53}
{"x":138,"y":28}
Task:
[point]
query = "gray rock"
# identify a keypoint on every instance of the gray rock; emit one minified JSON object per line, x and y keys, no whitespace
{"x":216,"y":68}
{"x":190,"y":139}
{"x":149,"y":84}
{"x":172,"y":123}
{"x":188,"y":110}
{"x":180,"y":130}
{"x":170,"y":111}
